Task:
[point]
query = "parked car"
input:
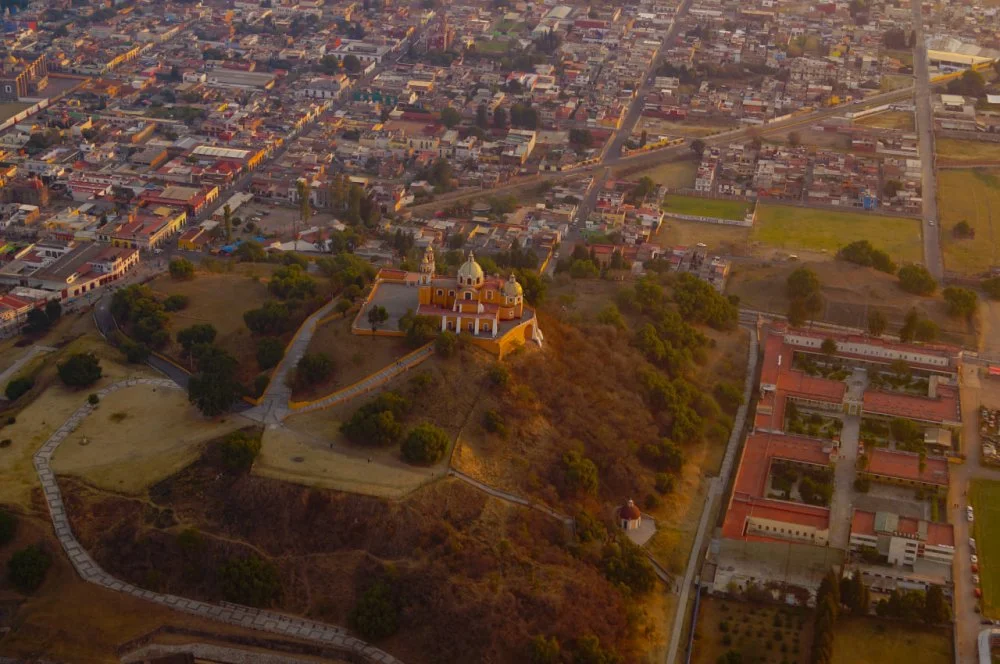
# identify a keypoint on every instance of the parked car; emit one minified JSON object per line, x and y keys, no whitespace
{"x":972,"y":543}
{"x":977,"y":592}
{"x":968,"y":512}
{"x":975,"y":579}
{"x":975,"y":559}
{"x":975,"y":569}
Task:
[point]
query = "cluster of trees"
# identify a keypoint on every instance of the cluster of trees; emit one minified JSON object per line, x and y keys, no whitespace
{"x":961,"y":302}
{"x":805,"y":299}
{"x":917,"y":328}
{"x":270,"y":318}
{"x":251,"y":580}
{"x":425,"y":444}
{"x":291,"y":283}
{"x":969,"y":84}
{"x":181,"y":269}
{"x":439,"y":173}
{"x":827,"y":609}
{"x":376,"y":613}
{"x":313,"y":369}
{"x":26,"y":568}
{"x":863,"y":253}
{"x":898,"y":39}
{"x":917,"y":280}
{"x":643,"y":188}
{"x":80,"y":370}
{"x":240,"y":449}
{"x":625,"y":565}
{"x":40,"y":320}
{"x":352,"y":203}
{"x":698,"y":302}
{"x":378,"y":421}
{"x":992,"y":287}
{"x":214,"y":387}
{"x":929,"y":607}
{"x":143,"y":317}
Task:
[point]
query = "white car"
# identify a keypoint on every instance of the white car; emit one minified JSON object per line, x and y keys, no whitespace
{"x":975,"y":579}
{"x":974,"y":558}
{"x":972,"y":543}
{"x":968,"y":512}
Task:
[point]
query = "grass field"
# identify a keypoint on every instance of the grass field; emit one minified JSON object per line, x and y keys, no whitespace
{"x":870,"y":641}
{"x":492,"y":47}
{"x":889,"y":120}
{"x":972,"y":196}
{"x":673,"y":174}
{"x":985,"y":498}
{"x":706,"y":207}
{"x":720,"y":238}
{"x":970,"y":151}
{"x":795,"y":228}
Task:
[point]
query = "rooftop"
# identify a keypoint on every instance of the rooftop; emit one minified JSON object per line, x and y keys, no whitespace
{"x":906,"y":466}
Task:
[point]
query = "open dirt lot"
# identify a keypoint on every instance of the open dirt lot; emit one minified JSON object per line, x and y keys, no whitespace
{"x":719,"y":238}
{"x":672,"y":174}
{"x":694,"y":129}
{"x":797,"y":228}
{"x":972,"y":196}
{"x":751,"y":630}
{"x":850,"y":292}
{"x":889,"y":120}
{"x":871,"y":641}
{"x":973,"y":152}
{"x":137,"y":437}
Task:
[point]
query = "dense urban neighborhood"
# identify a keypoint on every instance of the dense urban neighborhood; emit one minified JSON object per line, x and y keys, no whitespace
{"x":565,"y":333}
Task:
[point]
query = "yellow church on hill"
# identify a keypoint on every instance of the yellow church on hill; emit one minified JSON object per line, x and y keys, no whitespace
{"x":471,"y":302}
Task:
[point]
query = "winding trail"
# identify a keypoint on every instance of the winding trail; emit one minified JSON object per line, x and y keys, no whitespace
{"x":233,"y":614}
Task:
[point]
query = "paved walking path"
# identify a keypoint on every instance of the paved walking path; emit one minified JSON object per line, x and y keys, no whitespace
{"x":716,"y":487}
{"x":232,"y":614}
{"x":371,"y":382}
{"x":511,"y":497}
{"x":26,"y":357}
{"x":273,"y":406}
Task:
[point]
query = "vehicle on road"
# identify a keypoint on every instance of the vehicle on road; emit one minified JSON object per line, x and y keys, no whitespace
{"x":975,"y":579}
{"x":972,"y":543}
{"x":969,"y":513}
{"x":977,"y":592}
{"x":974,"y":558}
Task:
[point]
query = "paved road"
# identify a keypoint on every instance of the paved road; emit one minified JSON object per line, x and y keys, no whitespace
{"x":716,"y":487}
{"x":925,"y":133}
{"x":844,"y":473}
{"x":267,"y":621}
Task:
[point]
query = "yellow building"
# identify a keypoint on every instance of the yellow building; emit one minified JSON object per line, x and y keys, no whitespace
{"x":471,"y":302}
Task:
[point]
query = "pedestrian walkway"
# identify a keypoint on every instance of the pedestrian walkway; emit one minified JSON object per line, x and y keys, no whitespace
{"x":512,"y":498}
{"x":371,"y":382}
{"x":715,"y":489}
{"x":233,"y":614}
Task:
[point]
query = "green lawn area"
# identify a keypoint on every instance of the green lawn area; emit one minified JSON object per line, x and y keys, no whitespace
{"x":706,"y":207}
{"x":970,"y":151}
{"x":813,"y":229}
{"x":493,"y":46}
{"x":973,"y":196}
{"x":984,"y":496}
{"x":870,"y":641}
{"x":673,"y":174}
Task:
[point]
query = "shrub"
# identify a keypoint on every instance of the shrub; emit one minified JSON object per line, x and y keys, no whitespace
{"x":377,"y":422}
{"x":80,"y":370}
{"x":260,"y":384}
{"x":499,"y":375}
{"x":962,"y":302}
{"x":581,"y":473}
{"x":135,"y":351}
{"x":342,"y":306}
{"x":917,"y":280}
{"x":239,"y":450}
{"x":425,"y":444}
{"x":8,"y":527}
{"x":181,"y":269}
{"x":376,"y":613}
{"x":270,"y":350}
{"x":93,"y":399}
{"x":664,"y":483}
{"x":729,"y":396}
{"x":196,"y":335}
{"x":26,"y":569}
{"x":446,"y":344}
{"x":493,"y":421}
{"x":18,"y":387}
{"x":251,"y":581}
{"x":545,"y":650}
{"x":625,"y":564}
{"x":176,"y":302}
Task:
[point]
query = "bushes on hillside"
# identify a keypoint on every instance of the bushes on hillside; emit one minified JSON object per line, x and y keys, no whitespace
{"x":425,"y":444}
{"x":196,"y":335}
{"x":962,"y":302}
{"x":27,"y":568}
{"x":377,"y":422}
{"x":214,"y":387}
{"x":181,"y":269}
{"x":291,"y":283}
{"x":270,"y":351}
{"x":251,"y":581}
{"x":917,"y":280}
{"x":625,"y":564}
{"x":580,"y":473}
{"x":80,"y":370}
{"x":376,"y":613}
{"x":176,"y":302}
{"x":143,"y":316}
{"x":313,"y":368}
{"x":271,"y":318}
{"x":698,"y":302}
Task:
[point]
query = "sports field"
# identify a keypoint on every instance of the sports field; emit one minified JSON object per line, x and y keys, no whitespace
{"x":871,"y":641}
{"x":973,"y":196}
{"x":985,"y":498}
{"x":813,"y":229}
{"x":706,"y":207}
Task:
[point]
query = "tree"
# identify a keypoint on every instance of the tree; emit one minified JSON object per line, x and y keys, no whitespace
{"x":544,"y":650}
{"x":802,"y":283}
{"x":377,"y":422}
{"x":26,"y":569}
{"x":580,"y":472}
{"x":962,"y":230}
{"x":176,"y":302}
{"x":936,"y":609}
{"x":251,"y":252}
{"x":313,"y":368}
{"x":376,"y":316}
{"x":376,"y":614}
{"x":8,"y":527}
{"x":270,"y":350}
{"x":271,"y":318}
{"x":227,"y":222}
{"x":196,"y":335}
{"x":38,"y":321}
{"x":352,"y":64}
{"x":446,"y":344}
{"x":891,"y":188}
{"x":251,"y":581}
{"x":917,"y":280}
{"x":53,"y":310}
{"x":215,"y":387}
{"x":80,"y":370}
{"x":877,"y":322}
{"x":698,"y":146}
{"x":450,"y":117}
{"x":291,"y":282}
{"x":304,"y":191}
{"x":239,"y":450}
{"x":862,"y":252}
{"x":181,"y":269}
{"x":425,"y":444}
{"x":962,"y":302}
{"x":18,"y":387}
{"x":829,"y":347}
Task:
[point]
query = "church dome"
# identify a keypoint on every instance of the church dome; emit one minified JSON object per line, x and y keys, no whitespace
{"x":470,"y":273}
{"x":511,"y":288}
{"x":629,"y":512}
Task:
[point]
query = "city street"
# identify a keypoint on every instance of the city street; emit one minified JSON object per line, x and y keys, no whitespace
{"x":925,"y":131}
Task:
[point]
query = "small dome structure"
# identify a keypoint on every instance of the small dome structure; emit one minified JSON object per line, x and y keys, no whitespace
{"x":470,"y":273}
{"x":511,"y":288}
{"x":629,"y":516}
